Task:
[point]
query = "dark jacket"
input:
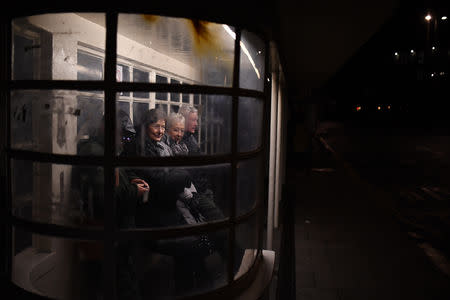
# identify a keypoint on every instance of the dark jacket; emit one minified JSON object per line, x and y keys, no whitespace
{"x":191,"y":142}
{"x":178,"y":149}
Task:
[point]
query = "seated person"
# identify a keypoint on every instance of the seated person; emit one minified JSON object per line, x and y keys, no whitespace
{"x":167,"y":206}
{"x":190,"y":115}
{"x":175,"y":133}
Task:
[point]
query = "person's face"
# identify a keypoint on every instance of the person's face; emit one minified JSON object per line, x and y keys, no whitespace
{"x":156,"y":130}
{"x":192,"y":122}
{"x":176,"y":132}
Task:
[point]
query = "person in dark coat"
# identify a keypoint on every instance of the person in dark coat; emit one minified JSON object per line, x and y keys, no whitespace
{"x":190,"y":115}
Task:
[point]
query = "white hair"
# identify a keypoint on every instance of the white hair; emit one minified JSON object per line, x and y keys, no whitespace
{"x":186,"y":109}
{"x":174,"y":118}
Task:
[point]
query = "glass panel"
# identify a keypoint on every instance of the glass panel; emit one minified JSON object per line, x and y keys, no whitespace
{"x":140,"y":76}
{"x":252,"y":62}
{"x":250,"y":123}
{"x":185,"y":98}
{"x":161,"y":95}
{"x":175,"y":196}
{"x":246,"y":246}
{"x":56,"y":121}
{"x":207,"y":127}
{"x":123,"y":75}
{"x":57,"y":268}
{"x":249,"y":184}
{"x":166,"y":269}
{"x":47,"y":46}
{"x":90,"y":67}
{"x":58,"y":194}
{"x":195,"y":51}
{"x":175,"y":97}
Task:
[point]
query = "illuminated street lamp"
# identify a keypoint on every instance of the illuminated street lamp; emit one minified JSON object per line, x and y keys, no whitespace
{"x":428,"y":17}
{"x":444,"y":18}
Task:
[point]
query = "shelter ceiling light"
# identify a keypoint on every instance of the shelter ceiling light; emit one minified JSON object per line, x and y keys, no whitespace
{"x":244,"y":49}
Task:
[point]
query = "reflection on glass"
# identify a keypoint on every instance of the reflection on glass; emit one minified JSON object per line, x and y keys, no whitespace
{"x":65,"y":46}
{"x":250,"y":121}
{"x":198,"y":51}
{"x":174,"y":267}
{"x":57,"y":194}
{"x":252,"y":62}
{"x":175,"y":196}
{"x":57,"y":268}
{"x":203,"y":129}
{"x":247,"y":243}
{"x":249,"y":184}
{"x":56,"y":121}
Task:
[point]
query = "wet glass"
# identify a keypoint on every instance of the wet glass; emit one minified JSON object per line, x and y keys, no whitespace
{"x":56,"y":121}
{"x":57,"y":194}
{"x":252,"y":62}
{"x":172,"y":196}
{"x":57,"y":268}
{"x":197,"y":52}
{"x":250,"y":179}
{"x":170,"y":268}
{"x":246,"y":246}
{"x":207,"y":125}
{"x":250,"y":122}
{"x":62,"y":46}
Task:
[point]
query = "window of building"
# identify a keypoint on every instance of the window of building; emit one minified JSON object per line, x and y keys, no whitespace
{"x":97,"y":184}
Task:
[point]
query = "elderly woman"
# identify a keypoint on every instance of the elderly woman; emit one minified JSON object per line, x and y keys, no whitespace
{"x":175,"y":133}
{"x":153,"y":126}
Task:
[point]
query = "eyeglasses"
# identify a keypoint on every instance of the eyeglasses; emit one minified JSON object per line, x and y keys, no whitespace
{"x":160,"y":127}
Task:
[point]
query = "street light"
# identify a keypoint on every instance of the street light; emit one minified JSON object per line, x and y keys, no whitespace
{"x":428,"y":17}
{"x":444,"y":18}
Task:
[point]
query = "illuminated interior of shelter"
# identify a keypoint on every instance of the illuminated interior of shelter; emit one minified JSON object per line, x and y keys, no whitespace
{"x":100,"y":189}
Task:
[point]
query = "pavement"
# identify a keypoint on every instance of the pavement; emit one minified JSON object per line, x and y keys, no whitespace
{"x":348,"y":243}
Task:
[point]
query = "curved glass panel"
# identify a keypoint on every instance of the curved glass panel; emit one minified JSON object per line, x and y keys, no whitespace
{"x":58,"y":194}
{"x":172,"y":196}
{"x":57,"y":268}
{"x":201,"y":126}
{"x":252,"y":62}
{"x":246,"y":246}
{"x":250,"y":121}
{"x":65,"y":46}
{"x":166,"y":269}
{"x":250,"y":176}
{"x":191,"y":52}
{"x":56,"y":121}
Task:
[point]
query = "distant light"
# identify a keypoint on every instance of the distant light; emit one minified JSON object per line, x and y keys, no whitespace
{"x":358,"y":108}
{"x":268,"y":79}
{"x":433,"y":48}
{"x":412,"y":51}
{"x":259,"y":52}
{"x":444,"y":18}
{"x":379,"y":107}
{"x":428,"y":17}
{"x":396,"y":53}
{"x":432,"y":74}
{"x":442,"y":73}
{"x":389,"y":107}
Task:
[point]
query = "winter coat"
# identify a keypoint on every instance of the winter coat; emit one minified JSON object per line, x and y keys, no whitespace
{"x":191,"y":142}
